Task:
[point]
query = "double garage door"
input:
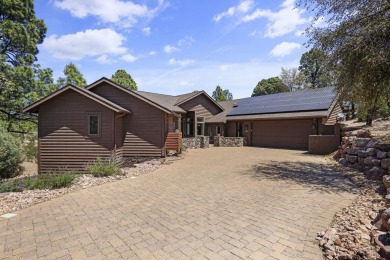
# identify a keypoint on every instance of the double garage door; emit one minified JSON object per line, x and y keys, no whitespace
{"x":292,"y":134}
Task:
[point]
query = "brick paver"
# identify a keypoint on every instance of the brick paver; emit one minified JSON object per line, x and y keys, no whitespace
{"x":217,"y":203}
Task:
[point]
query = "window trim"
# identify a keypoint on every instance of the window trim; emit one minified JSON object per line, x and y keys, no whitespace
{"x":88,"y":115}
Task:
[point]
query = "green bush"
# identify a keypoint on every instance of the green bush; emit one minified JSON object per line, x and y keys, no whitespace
{"x":41,"y":182}
{"x":103,"y":168}
{"x":10,"y":155}
{"x":30,"y":149}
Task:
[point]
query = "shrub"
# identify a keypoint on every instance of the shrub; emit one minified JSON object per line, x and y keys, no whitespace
{"x":10,"y":155}
{"x":30,"y":149}
{"x":49,"y":181}
{"x":103,"y":168}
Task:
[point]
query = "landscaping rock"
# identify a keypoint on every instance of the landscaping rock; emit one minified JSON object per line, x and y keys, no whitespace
{"x":368,"y":161}
{"x":375,"y":173}
{"x":385,"y":163}
{"x":362,"y":153}
{"x":343,"y":161}
{"x":381,"y":155}
{"x":373,"y":143}
{"x":371,"y":152}
{"x":363,"y":133}
{"x":362,"y":142}
{"x":351,"y":158}
{"x":385,"y":219}
{"x":386,"y":181}
{"x":383,"y":147}
{"x":361,"y":161}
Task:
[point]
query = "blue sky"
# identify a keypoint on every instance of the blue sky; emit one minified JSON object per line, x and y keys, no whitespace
{"x":174,"y":46}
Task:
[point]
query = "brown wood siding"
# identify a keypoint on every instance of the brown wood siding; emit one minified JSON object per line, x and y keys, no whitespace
{"x":202,"y":105}
{"x":231,"y":129}
{"x":64,"y":144}
{"x":332,"y":119}
{"x":292,"y":134}
{"x":143,"y":130}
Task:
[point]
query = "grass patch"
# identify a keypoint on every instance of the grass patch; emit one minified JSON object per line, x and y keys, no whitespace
{"x":103,"y":168}
{"x":41,"y":182}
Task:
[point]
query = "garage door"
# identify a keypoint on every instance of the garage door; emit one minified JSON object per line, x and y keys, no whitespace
{"x":282,"y":133}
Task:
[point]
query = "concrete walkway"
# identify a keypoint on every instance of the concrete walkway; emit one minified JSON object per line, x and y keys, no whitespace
{"x":217,"y":203}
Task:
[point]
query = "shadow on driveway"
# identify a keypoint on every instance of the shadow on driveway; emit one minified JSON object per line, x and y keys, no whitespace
{"x":311,"y":175}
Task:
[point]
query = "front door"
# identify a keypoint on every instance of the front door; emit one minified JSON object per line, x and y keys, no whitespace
{"x":247,"y":132}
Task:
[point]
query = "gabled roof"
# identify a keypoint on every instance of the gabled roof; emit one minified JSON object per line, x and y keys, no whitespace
{"x":166,"y":101}
{"x":33,"y":108}
{"x":300,"y":101}
{"x":130,"y":92}
{"x":173,"y":102}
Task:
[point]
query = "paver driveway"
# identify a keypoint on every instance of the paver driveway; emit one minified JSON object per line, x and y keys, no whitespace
{"x":217,"y":203}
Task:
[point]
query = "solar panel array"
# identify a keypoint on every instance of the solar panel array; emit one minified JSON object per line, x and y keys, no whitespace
{"x":303,"y":100}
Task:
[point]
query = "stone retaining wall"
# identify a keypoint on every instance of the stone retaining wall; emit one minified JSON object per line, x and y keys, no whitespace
{"x":195,"y":142}
{"x":359,"y":148}
{"x":229,"y":141}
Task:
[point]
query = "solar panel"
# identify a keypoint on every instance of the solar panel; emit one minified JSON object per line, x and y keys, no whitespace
{"x":304,"y":100}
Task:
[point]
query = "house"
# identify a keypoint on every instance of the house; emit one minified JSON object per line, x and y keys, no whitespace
{"x":106,"y":120}
{"x":284,"y":120}
{"x":75,"y":125}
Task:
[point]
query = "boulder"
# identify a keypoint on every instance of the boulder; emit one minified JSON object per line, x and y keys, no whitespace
{"x":362,"y":142}
{"x":361,"y":161}
{"x":371,"y":151}
{"x":387,"y":201}
{"x":385,"y":219}
{"x":383,"y":147}
{"x":363,"y":133}
{"x":375,"y":173}
{"x":343,"y":161}
{"x":386,"y":181}
{"x":362,"y":153}
{"x":385,"y":163}
{"x":376,"y":162}
{"x":381,"y":155}
{"x":372,"y":143}
{"x":368,"y":161}
{"x":354,"y":150}
{"x":351,"y":158}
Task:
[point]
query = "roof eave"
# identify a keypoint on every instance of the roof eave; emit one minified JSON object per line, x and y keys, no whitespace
{"x":133,"y":93}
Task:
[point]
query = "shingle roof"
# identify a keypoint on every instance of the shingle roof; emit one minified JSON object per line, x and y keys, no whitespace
{"x":166,"y":101}
{"x":115,"y":107}
{"x":299,"y":101}
{"x":221,"y":117}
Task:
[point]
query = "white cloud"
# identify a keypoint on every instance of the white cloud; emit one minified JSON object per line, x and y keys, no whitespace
{"x":242,"y":8}
{"x":147,"y":31}
{"x":103,"y":59}
{"x":225,"y":67}
{"x":128,"y":58}
{"x":170,"y":49}
{"x":284,"y":49}
{"x":284,"y":21}
{"x":180,"y":62}
{"x":152,"y":53}
{"x":90,"y":43}
{"x":186,"y":42}
{"x":122,"y":13}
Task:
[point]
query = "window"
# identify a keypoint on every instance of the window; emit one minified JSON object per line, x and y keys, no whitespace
{"x":189,"y":126}
{"x":218,"y":130}
{"x":93,"y":124}
{"x":200,"y":126}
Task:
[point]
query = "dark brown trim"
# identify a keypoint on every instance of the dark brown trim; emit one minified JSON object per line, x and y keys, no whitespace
{"x":198,"y":94}
{"x":33,"y":108}
{"x":128,"y":91}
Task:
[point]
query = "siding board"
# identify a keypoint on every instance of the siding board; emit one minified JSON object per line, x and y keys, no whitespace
{"x":202,"y":105}
{"x":143,"y":131}
{"x":63,"y":140}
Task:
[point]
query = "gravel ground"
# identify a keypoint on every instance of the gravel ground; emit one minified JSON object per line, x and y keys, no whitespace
{"x":348,"y":237}
{"x":12,"y":201}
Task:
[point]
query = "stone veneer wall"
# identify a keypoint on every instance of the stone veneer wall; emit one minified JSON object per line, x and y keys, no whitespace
{"x":359,"y":148}
{"x":196,"y":142}
{"x":229,"y":141}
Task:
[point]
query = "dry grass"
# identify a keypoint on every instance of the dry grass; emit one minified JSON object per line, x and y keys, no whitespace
{"x":380,"y":128}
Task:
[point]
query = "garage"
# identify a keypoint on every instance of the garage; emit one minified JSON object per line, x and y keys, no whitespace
{"x":283,"y":120}
{"x":292,"y":134}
